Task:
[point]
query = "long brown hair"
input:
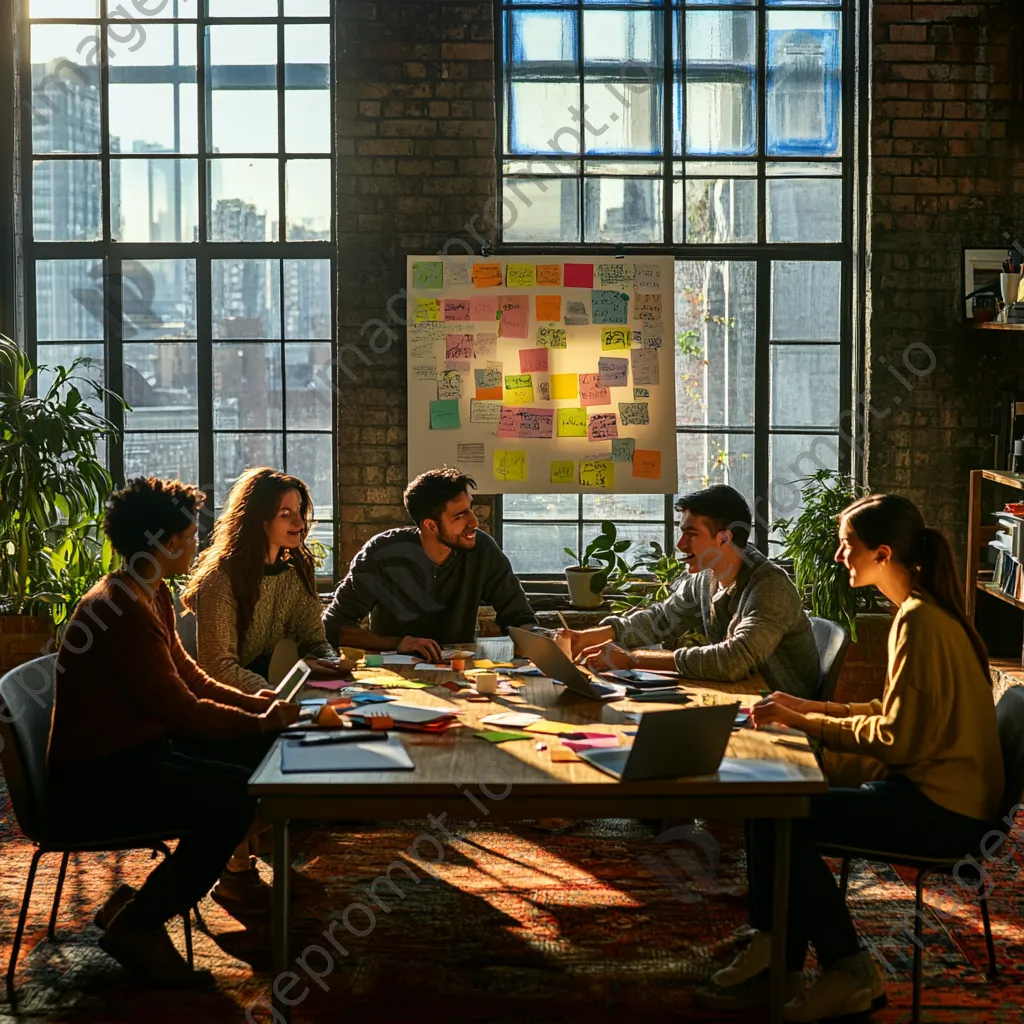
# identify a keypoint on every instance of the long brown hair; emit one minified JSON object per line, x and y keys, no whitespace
{"x":897,"y":522}
{"x":239,"y":545}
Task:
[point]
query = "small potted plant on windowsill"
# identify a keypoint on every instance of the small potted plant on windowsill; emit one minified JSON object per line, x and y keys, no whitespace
{"x":589,"y":577}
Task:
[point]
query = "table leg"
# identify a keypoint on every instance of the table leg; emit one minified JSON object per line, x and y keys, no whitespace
{"x":281,"y":912}
{"x":783,"y":828}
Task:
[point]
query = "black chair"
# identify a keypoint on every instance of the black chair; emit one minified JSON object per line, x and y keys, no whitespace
{"x":1010,"y":713}
{"x":832,"y":641}
{"x":26,"y":699}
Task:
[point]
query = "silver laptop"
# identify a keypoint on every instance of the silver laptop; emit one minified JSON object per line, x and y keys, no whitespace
{"x":670,"y":745}
{"x":551,"y":660}
{"x":294,"y":679}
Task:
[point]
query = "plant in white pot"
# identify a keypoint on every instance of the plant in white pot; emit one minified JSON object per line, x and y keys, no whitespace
{"x":589,"y":577}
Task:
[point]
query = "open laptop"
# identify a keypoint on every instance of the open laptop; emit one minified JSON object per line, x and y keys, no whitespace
{"x":551,"y":660}
{"x":670,"y":745}
{"x":293,"y":681}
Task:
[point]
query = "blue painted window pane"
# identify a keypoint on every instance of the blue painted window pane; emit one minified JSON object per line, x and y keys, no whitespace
{"x":587,"y":3}
{"x":802,"y":3}
{"x":542,"y":36}
{"x":721,"y":90}
{"x":804,"y":88}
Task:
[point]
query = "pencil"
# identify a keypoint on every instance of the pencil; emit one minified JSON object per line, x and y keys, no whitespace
{"x":561,"y":618}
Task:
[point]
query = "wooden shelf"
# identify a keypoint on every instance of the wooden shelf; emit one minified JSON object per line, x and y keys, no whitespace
{"x":1004,"y":476}
{"x":991,"y":588}
{"x":993,"y":325}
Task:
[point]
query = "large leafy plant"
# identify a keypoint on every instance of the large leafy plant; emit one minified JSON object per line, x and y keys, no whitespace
{"x":811,"y":539}
{"x":52,"y":487}
{"x":603,"y":552}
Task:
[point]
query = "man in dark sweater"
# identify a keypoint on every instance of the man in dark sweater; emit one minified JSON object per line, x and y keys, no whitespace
{"x":422,"y":585}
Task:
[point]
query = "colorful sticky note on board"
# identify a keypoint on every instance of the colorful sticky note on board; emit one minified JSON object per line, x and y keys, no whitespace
{"x":645,"y":366}
{"x":576,"y":313}
{"x":563,"y":471}
{"x":518,"y":389}
{"x":647,"y":306}
{"x":449,"y":384}
{"x":610,"y":307}
{"x":602,"y":426}
{"x":623,"y":448}
{"x":564,"y":385}
{"x":488,"y":377}
{"x":552,"y":337}
{"x":549,"y":274}
{"x":483,"y":308}
{"x":489,"y":394}
{"x":510,"y":465}
{"x":614,"y":338}
{"x":487,"y":275}
{"x":579,"y":275}
{"x":426,"y":309}
{"x":508,"y":425}
{"x":598,"y":473}
{"x":533,"y":360}
{"x":444,"y":414}
{"x":613,"y":372}
{"x":549,"y":308}
{"x":646,"y":464}
{"x":521,"y":275}
{"x":484,"y":411}
{"x":617,"y":273}
{"x":455,"y":309}
{"x":536,"y":423}
{"x":428,"y":275}
{"x":634,"y":414}
{"x":459,"y":346}
{"x":592,"y":391}
{"x":572,"y":422}
{"x":515,"y":317}
{"x":639,"y":393}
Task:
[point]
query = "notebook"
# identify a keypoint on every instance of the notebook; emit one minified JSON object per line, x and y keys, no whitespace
{"x":376,"y":756}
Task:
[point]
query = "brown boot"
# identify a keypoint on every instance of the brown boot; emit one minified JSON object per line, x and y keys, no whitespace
{"x":149,"y":954}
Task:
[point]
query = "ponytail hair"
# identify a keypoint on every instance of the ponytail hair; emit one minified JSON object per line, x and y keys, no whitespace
{"x":897,"y":522}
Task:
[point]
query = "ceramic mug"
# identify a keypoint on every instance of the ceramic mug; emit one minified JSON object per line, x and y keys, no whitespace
{"x":487,"y":682}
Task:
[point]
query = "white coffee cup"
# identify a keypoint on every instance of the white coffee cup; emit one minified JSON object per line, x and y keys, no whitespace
{"x":487,"y":682}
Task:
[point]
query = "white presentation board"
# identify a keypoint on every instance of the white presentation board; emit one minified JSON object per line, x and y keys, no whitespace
{"x":544,"y":374}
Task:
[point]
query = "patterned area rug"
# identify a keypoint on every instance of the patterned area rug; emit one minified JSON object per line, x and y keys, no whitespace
{"x":605,"y":919}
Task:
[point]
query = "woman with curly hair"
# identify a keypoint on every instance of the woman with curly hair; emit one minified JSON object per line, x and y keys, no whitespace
{"x":254,"y":589}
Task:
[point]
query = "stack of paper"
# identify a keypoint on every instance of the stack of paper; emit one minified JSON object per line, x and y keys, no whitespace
{"x":412,"y":716}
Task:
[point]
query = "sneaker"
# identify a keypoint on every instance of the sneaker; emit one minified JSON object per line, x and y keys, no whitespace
{"x":836,"y":993}
{"x":754,"y":993}
{"x":243,"y":892}
{"x":748,"y":962}
{"x":117,"y":899}
{"x":149,"y":954}
{"x":863,"y":965}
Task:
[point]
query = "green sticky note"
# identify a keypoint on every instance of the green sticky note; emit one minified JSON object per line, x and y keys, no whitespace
{"x":444,"y":414}
{"x":497,"y":736}
{"x":428,"y":275}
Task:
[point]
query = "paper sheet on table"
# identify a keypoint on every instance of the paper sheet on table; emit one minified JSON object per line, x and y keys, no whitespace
{"x":413,"y":714}
{"x":330,"y":684}
{"x":394,"y":682}
{"x":525,"y":670}
{"x":592,"y":743}
{"x":501,"y":736}
{"x":375,"y":756}
{"x":546,"y":728}
{"x":400,"y":659}
{"x":426,"y":666}
{"x":515,"y":719}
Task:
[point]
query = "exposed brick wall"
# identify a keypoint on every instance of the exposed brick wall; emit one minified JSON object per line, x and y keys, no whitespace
{"x":22,"y":638}
{"x":863,"y":676}
{"x":946,"y":156}
{"x":416,"y":145}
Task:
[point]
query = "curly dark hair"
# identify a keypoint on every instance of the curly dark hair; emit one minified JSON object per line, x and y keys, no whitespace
{"x":427,"y":496}
{"x":150,"y":506}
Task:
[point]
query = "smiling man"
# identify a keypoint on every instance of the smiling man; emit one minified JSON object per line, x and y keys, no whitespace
{"x":422,"y":585}
{"x":745,"y":606}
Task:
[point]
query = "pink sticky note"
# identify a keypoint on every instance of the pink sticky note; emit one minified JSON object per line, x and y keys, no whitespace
{"x":533,"y":360}
{"x":579,"y":275}
{"x":459,"y":346}
{"x":591,"y":391}
{"x":508,"y":425}
{"x":483,"y":308}
{"x":514,"y":323}
{"x":536,"y":422}
{"x":455,"y":309}
{"x":330,"y":684}
{"x":593,"y":743}
{"x":602,"y":426}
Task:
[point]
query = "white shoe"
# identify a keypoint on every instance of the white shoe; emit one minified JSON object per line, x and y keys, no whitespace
{"x":748,"y":962}
{"x":836,"y":993}
{"x":863,"y":965}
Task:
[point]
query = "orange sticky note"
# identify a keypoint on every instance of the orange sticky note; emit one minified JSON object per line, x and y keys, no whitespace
{"x":549,"y":274}
{"x":549,"y":307}
{"x":560,"y":754}
{"x":488,"y":394}
{"x":646,"y":465}
{"x":487,"y":275}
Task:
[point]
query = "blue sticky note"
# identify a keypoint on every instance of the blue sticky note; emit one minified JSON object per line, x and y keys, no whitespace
{"x":609,"y":307}
{"x":371,"y":698}
{"x":444,"y":414}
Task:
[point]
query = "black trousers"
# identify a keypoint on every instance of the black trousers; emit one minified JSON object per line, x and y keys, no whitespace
{"x":197,"y":789}
{"x":891,"y":815}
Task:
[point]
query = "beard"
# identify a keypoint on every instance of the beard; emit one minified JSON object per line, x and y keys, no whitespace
{"x":457,"y":541}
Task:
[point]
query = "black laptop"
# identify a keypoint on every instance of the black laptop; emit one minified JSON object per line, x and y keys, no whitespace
{"x":551,"y":660}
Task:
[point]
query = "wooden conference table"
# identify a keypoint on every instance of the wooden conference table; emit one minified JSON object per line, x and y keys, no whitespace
{"x":468,"y":779}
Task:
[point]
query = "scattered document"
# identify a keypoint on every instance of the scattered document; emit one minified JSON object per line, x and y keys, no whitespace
{"x":496,"y":736}
{"x":515,"y":719}
{"x":413,"y":714}
{"x":400,"y":659}
{"x":591,"y":743}
{"x":373,"y":756}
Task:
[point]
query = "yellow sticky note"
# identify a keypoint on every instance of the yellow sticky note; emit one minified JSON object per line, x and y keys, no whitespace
{"x":427,"y":309}
{"x":563,"y":472}
{"x":565,"y":385}
{"x":613,"y":338}
{"x":597,"y":473}
{"x":518,"y":389}
{"x":549,"y":308}
{"x":521,"y":275}
{"x":572,"y":422}
{"x":510,"y":465}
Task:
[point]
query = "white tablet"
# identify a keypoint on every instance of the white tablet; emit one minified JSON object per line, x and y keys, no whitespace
{"x":294,"y":680}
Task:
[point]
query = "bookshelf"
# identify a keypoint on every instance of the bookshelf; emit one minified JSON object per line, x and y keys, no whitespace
{"x":995,"y":614}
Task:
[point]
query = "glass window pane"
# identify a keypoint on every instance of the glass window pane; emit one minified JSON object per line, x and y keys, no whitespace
{"x":308,"y":200}
{"x":154,"y":200}
{"x":171,"y":456}
{"x":805,"y":210}
{"x":49,"y":357}
{"x":67,"y":200}
{"x":805,"y":301}
{"x":69,"y":300}
{"x":242,"y":78}
{"x":243,"y":200}
{"x":181,"y":9}
{"x":65,"y":89}
{"x":158,"y":299}
{"x":307,"y":8}
{"x":538,"y":119}
{"x":721,"y":91}
{"x":310,"y":458}
{"x":160,"y":385}
{"x":246,"y":299}
{"x":623,"y":210}
{"x":541,"y":506}
{"x":623,"y":506}
{"x":323,"y":533}
{"x":64,"y":8}
{"x":805,"y":385}
{"x":541,"y":210}
{"x":715,"y":332}
{"x":307,"y":120}
{"x":246,"y":386}
{"x":308,"y":377}
{"x":307,"y":299}
{"x":233,"y":454}
{"x":641,"y":534}
{"x":803,"y":83}
{"x":718,"y":210}
{"x":307,"y":79}
{"x":242,"y":8}
{"x":794,"y":457}
{"x":707,"y":459}
{"x":536,"y":548}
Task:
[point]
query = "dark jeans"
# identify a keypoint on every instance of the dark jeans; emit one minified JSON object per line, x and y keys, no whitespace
{"x":891,"y":815}
{"x":199,"y":790}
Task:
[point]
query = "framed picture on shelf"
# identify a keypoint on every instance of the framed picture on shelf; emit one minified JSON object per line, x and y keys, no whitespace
{"x":981,"y":267}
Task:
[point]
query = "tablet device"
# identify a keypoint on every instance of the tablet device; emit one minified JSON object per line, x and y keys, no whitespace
{"x":294,"y":679}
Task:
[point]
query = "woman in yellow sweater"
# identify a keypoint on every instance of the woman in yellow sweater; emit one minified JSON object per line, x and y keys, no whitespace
{"x":930,"y":747}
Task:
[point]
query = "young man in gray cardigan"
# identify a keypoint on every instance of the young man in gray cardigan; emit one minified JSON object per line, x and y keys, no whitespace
{"x":745,"y":606}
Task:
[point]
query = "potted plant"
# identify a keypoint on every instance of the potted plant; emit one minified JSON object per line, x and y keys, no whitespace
{"x":52,"y":489}
{"x":593,"y":568}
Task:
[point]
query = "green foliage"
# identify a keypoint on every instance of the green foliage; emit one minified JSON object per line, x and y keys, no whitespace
{"x":52,"y":488}
{"x":604,"y":550}
{"x":811,"y":540}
